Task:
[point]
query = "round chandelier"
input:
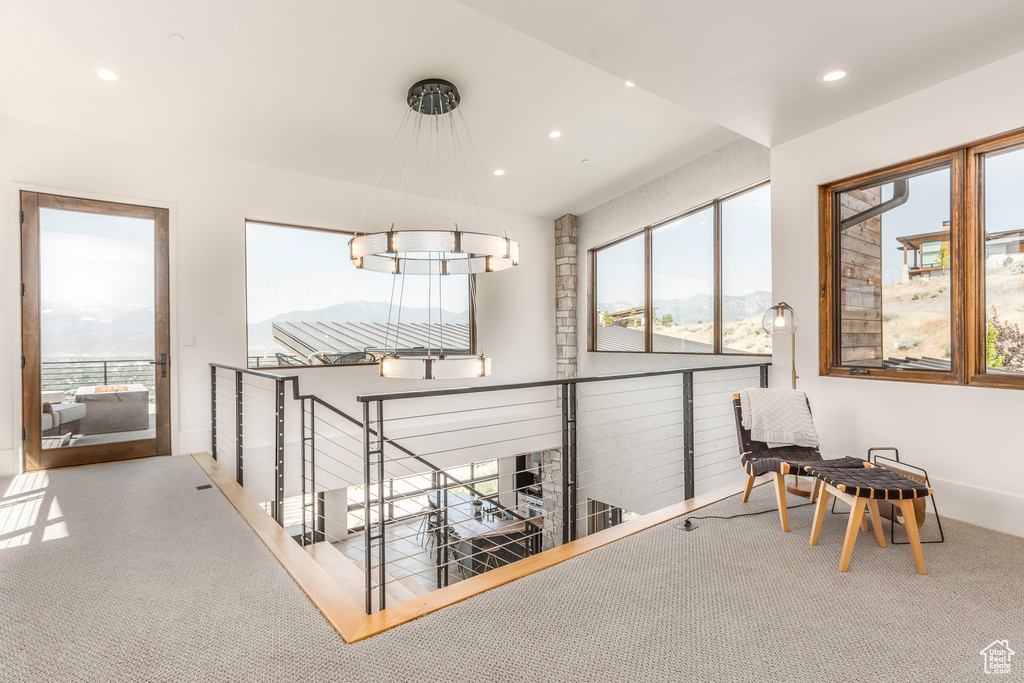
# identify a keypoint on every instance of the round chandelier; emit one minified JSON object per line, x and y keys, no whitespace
{"x":440,"y":249}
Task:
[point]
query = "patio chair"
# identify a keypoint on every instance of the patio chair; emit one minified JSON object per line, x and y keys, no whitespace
{"x":759,"y":459}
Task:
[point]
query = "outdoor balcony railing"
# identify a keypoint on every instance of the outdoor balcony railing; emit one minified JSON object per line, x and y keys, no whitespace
{"x":70,"y":375}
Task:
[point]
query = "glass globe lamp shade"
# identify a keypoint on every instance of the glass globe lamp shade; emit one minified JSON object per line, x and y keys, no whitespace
{"x":780,"y":319}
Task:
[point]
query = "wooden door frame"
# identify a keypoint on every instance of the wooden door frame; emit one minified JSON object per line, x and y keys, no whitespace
{"x":33,"y":455}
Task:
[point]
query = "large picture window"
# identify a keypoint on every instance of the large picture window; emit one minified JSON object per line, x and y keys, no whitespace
{"x":307,"y":306}
{"x":696,"y":283}
{"x":923,"y":269}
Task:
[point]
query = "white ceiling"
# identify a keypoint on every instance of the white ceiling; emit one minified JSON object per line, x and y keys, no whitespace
{"x":319,"y":87}
{"x":752,"y":65}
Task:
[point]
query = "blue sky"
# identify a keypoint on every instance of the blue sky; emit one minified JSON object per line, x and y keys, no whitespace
{"x":682,"y":255}
{"x":290,"y":269}
{"x":92,"y":261}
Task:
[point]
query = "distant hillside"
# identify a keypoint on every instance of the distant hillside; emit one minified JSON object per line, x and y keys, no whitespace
{"x":699,"y":307}
{"x":71,"y":333}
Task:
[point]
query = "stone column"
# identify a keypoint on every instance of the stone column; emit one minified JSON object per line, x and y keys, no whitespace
{"x":565,"y":296}
{"x":566,"y":351}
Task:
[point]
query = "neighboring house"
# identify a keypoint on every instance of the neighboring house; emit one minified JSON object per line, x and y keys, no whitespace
{"x":928,"y":252}
{"x":925,"y":253}
{"x":623,"y":318}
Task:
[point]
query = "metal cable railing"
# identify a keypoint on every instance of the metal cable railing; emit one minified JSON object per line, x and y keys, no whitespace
{"x":427,"y":488}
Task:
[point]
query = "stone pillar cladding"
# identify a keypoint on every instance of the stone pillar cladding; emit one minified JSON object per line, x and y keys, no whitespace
{"x":566,"y":350}
{"x":565,"y":296}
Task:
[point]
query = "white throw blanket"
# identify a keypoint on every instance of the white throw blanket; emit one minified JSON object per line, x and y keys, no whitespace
{"x":778,"y":417}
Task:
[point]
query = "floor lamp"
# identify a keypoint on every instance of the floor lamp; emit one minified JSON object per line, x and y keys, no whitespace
{"x":778,"y":320}
{"x":782,"y":319}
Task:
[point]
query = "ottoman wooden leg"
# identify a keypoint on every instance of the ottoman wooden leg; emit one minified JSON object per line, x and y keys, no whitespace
{"x":819,"y":513}
{"x":749,"y":485}
{"x":876,"y":522}
{"x":852,"y":528}
{"x":907,"y":506}
{"x":780,"y":496}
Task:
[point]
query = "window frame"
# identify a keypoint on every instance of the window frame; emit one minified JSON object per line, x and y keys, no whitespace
{"x":967,"y":285}
{"x":716,"y":205}
{"x":471,"y":279}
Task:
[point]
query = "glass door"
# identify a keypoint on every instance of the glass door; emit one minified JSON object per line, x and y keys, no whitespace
{"x":95,"y":337}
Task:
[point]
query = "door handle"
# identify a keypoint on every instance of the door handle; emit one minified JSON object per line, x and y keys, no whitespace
{"x":163,"y":363}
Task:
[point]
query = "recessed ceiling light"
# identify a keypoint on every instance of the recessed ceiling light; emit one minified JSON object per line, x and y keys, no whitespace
{"x":499,"y":171}
{"x":585,"y":161}
{"x":834,"y":75}
{"x":107,"y":75}
{"x":177,"y":38}
{"x":555,"y":134}
{"x":630,"y":84}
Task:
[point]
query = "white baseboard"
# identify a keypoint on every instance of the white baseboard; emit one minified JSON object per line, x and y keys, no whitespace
{"x":9,"y":463}
{"x":195,"y":441}
{"x":991,"y":509}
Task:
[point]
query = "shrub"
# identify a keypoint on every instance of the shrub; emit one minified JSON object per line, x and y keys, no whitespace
{"x":1004,"y":344}
{"x":908,"y":342}
{"x":888,"y":316}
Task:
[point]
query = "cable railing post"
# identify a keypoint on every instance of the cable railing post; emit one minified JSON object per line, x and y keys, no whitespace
{"x":572,"y":462}
{"x":238,"y":429}
{"x":566,"y":498}
{"x":367,"y":531}
{"x":105,"y":381}
{"x":213,"y":411}
{"x":279,"y":453}
{"x":381,"y":507}
{"x":764,"y":376}
{"x":688,"y":473}
{"x":304,"y":498}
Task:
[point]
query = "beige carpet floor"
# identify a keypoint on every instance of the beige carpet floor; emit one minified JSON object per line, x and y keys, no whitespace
{"x":127,"y":572}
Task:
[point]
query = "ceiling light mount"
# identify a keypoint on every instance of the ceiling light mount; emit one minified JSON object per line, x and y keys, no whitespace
{"x":834,"y":75}
{"x":433,"y":97}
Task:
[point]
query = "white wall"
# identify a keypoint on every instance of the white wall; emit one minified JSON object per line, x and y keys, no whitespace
{"x":209,"y":199}
{"x":966,"y":437}
{"x":628,"y":451}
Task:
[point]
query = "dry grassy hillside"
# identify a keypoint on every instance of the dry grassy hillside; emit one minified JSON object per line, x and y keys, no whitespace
{"x":916,"y":313}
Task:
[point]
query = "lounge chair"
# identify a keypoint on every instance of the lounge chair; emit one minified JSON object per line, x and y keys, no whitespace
{"x":759,"y":459}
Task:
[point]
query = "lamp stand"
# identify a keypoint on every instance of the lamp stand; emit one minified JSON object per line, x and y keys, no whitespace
{"x":798,"y":487}
{"x":793,"y":345}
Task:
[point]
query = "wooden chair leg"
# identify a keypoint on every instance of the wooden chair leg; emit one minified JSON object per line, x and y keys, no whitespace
{"x":816,"y":489}
{"x":819,"y":514}
{"x":747,"y":488}
{"x":852,"y":528}
{"x":907,"y":506}
{"x":876,"y":522}
{"x":780,"y":496}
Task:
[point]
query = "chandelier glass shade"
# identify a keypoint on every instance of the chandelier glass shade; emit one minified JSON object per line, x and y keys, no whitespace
{"x":457,"y":252}
{"x":435,"y":367}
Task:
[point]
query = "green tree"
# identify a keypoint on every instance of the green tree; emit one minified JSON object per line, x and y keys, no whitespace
{"x":943,"y":257}
{"x":992,"y":357}
{"x":666,"y":320}
{"x":606,"y":319}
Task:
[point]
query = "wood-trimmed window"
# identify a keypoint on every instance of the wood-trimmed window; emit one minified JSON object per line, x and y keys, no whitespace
{"x":698,"y":282}
{"x":922,"y":269}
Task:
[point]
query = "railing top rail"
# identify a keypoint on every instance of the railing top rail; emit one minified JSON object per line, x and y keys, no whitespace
{"x":257,"y":373}
{"x":95,"y":360}
{"x":426,"y":393}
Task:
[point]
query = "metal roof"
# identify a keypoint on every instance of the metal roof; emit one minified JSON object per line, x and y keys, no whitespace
{"x":306,"y":338}
{"x":611,"y":338}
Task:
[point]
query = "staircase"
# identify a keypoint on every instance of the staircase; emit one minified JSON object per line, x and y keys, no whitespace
{"x":350,"y":577}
